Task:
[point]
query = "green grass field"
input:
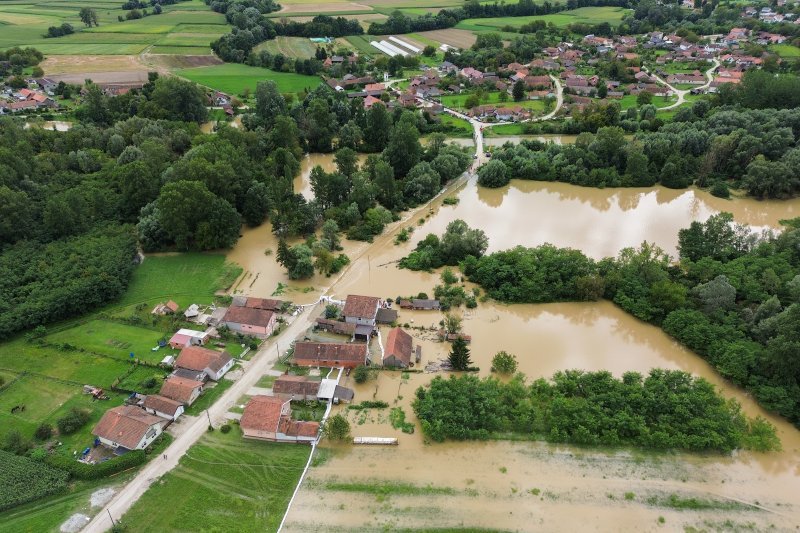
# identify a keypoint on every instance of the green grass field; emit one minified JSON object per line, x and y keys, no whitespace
{"x":298,"y":47}
{"x":187,"y":28}
{"x":233,"y":78}
{"x":112,"y":339}
{"x":223,"y":483}
{"x":457,"y":101}
{"x":462,"y":128}
{"x":582,"y":15}
{"x":785,"y":50}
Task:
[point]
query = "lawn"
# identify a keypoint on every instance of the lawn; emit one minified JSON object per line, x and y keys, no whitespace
{"x":461,"y":128}
{"x":111,"y":338}
{"x":582,"y":15}
{"x":629,"y":100}
{"x":233,"y":78}
{"x":785,"y":50}
{"x":297,"y":47}
{"x":221,"y":481}
{"x":210,"y":395}
{"x":458,"y":101}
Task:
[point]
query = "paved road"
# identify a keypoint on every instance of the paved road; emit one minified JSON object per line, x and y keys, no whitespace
{"x":683,"y":92}
{"x":261,"y":362}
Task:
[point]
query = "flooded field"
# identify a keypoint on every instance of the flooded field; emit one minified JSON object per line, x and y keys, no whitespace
{"x":524,"y":486}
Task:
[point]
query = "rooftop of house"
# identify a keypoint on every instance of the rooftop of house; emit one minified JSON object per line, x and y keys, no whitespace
{"x":262,"y":413}
{"x":199,"y":358}
{"x":162,"y":404}
{"x":125,"y":425}
{"x":179,"y":389}
{"x":295,"y":385}
{"x":398,"y":344}
{"x":249,"y":315}
{"x":361,"y":306}
{"x":330,"y":351}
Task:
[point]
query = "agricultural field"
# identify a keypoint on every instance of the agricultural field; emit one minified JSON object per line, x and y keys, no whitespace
{"x":297,"y":47}
{"x":458,"y":38}
{"x":786,"y":50}
{"x":233,"y":78}
{"x":582,"y":15}
{"x":186,"y":28}
{"x":222,"y":480}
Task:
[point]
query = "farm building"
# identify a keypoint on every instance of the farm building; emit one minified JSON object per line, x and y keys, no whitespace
{"x":188,"y":337}
{"x":266,"y":304}
{"x":215,"y":364}
{"x":332,"y":354}
{"x":420,"y":304}
{"x":162,"y":406}
{"x":182,"y":390}
{"x":168,"y":308}
{"x":269,"y":418}
{"x":191,"y":312}
{"x":398,"y":349}
{"x":295,"y":387}
{"x":128,"y":427}
{"x":386,"y":316}
{"x":250,"y":321}
{"x":334,"y":326}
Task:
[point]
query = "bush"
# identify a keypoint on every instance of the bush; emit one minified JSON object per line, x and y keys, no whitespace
{"x":720,"y":190}
{"x":337,"y":428}
{"x":86,"y":471}
{"x":72,"y":421}
{"x":361,"y":374}
{"x":226,"y":428}
{"x":16,"y":443}
{"x":504,"y":363}
{"x":44,"y":431}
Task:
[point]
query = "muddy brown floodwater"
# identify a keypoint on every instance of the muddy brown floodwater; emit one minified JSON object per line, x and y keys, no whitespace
{"x":525,"y":486}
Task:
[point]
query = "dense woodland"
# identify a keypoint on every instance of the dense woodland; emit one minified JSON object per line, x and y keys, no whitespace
{"x":756,"y":150}
{"x":734,"y":297}
{"x":668,"y":409}
{"x":137,"y":171}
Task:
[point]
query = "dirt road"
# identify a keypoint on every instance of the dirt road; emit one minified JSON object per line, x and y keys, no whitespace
{"x":264,"y":359}
{"x":682,"y":93}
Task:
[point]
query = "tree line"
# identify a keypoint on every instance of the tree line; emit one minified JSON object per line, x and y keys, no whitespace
{"x":733,"y":298}
{"x":667,"y":409}
{"x":756,"y":150}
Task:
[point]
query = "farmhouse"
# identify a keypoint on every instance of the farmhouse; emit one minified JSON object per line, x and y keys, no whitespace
{"x":334,"y":326}
{"x":333,"y":354}
{"x":267,"y":304}
{"x":250,"y":321}
{"x":128,"y":427}
{"x":361,"y":310}
{"x":188,"y":337}
{"x":215,"y":364}
{"x":419,"y":303}
{"x":162,"y":406}
{"x":168,"y":308}
{"x":295,"y":387}
{"x":398,"y":349}
{"x":269,"y":418}
{"x":181,"y":390}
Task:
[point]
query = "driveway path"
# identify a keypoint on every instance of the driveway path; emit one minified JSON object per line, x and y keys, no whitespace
{"x":683,"y":92}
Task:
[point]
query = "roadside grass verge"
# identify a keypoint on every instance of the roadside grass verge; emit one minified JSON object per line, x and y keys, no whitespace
{"x":223,"y":482}
{"x":209,"y":396}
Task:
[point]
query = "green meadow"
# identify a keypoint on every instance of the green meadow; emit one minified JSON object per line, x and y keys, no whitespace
{"x":234,"y":78}
{"x":582,"y":15}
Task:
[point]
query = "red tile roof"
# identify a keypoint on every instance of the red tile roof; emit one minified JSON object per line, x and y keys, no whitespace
{"x":162,"y":404}
{"x":179,"y":389}
{"x":361,"y":306}
{"x":299,"y":385}
{"x":264,"y":303}
{"x":125,"y":425}
{"x":249,"y":315}
{"x":398,"y":344}
{"x":262,"y":413}
{"x":296,"y":428}
{"x":199,"y":358}
{"x":330,"y":351}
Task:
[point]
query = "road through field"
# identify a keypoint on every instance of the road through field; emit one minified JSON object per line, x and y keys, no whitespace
{"x":257,"y":367}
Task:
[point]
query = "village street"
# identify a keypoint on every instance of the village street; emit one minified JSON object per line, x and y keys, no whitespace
{"x":261,"y":362}
{"x":682,"y":93}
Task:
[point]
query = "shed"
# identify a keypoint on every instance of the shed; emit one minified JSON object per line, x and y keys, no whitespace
{"x":327,"y":390}
{"x":386,"y":316}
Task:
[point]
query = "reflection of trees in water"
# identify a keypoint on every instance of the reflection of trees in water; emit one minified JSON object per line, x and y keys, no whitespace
{"x":667,"y":196}
{"x":599,"y":199}
{"x":492,"y":197}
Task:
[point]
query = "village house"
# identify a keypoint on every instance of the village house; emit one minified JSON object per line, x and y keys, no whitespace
{"x":250,"y":321}
{"x":361,"y":310}
{"x":370,"y":101}
{"x":267,"y":304}
{"x":188,"y":337}
{"x":182,"y":390}
{"x":167,"y":308}
{"x":269,"y":418}
{"x":128,"y":427}
{"x":295,"y":388}
{"x":336,"y":326}
{"x":397,"y":352}
{"x":694,"y":78}
{"x":330,"y":354}
{"x":162,"y":406}
{"x":213,"y":363}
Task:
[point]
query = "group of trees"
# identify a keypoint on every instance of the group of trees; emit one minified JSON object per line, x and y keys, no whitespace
{"x":668,"y":409}
{"x":734,"y":298}
{"x":756,"y":150}
{"x":457,"y":243}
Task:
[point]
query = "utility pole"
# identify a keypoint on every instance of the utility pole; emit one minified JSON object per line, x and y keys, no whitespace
{"x":113,"y":525}
{"x":209,"y":418}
